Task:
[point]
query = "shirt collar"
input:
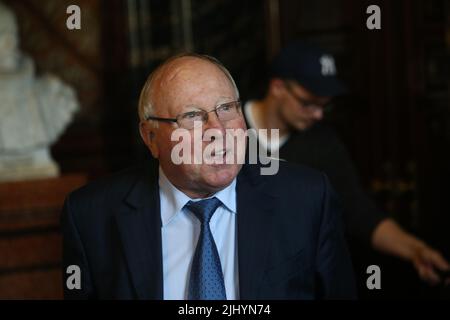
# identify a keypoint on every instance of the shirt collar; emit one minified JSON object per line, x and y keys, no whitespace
{"x":173,"y":200}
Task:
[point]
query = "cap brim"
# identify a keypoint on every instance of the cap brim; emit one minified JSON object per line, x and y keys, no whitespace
{"x":324,"y":87}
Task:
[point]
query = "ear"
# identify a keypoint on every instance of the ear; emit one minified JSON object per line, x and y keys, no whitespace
{"x":148,"y":135}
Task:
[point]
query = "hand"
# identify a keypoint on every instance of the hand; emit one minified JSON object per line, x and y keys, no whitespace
{"x":427,"y":262}
{"x":390,"y":238}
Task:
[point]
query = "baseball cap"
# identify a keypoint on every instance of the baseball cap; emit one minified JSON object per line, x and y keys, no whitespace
{"x":310,"y":66}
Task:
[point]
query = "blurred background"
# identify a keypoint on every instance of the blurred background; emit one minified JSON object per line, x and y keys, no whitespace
{"x":395,"y":122}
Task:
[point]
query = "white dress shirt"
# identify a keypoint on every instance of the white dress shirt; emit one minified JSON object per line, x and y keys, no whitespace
{"x":180,"y":232}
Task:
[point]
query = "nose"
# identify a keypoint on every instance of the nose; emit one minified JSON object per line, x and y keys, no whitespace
{"x":213,"y":122}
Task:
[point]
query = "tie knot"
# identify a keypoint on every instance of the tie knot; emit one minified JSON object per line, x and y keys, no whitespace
{"x":204,"y":209}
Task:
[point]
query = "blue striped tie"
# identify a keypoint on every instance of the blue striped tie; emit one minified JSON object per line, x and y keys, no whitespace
{"x":206,"y":280}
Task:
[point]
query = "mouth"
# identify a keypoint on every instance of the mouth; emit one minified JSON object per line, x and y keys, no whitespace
{"x":219,"y":153}
{"x":218,"y":157}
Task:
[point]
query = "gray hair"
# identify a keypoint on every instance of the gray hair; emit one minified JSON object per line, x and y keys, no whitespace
{"x":146,"y":106}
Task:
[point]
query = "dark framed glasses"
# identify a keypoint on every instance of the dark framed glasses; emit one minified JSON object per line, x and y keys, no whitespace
{"x":308,"y":104}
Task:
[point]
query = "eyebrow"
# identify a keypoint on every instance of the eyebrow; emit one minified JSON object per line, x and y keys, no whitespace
{"x":191,"y":107}
{"x":221,"y":100}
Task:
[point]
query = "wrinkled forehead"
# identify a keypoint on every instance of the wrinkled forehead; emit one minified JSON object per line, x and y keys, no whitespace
{"x":190,"y":69}
{"x":190,"y":79}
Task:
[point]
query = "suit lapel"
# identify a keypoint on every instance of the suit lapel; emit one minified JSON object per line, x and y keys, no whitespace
{"x":255,"y":214}
{"x":139,"y":223}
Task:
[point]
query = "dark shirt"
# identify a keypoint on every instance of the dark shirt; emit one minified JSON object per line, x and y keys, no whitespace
{"x":320,"y":148}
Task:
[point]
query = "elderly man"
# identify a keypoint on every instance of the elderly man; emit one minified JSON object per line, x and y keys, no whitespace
{"x":203,"y":230}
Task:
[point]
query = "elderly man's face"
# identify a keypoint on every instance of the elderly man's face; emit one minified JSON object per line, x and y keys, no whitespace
{"x":191,"y":84}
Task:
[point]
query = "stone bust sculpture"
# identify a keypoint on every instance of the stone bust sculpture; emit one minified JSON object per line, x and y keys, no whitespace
{"x":34,"y":111}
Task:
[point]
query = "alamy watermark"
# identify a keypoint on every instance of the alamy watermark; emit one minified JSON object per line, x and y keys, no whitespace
{"x":73,"y":280}
{"x":374,"y":20}
{"x":227,"y":146}
{"x":73,"y":21}
{"x":374,"y":280}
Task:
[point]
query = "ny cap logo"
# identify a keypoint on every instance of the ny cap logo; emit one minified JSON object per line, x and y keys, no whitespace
{"x":328,"y":66}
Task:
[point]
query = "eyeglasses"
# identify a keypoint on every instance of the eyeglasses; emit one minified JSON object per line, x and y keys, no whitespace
{"x":308,"y":104}
{"x":192,"y":119}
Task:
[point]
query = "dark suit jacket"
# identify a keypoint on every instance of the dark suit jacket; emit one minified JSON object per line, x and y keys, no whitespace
{"x":290,"y":238}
